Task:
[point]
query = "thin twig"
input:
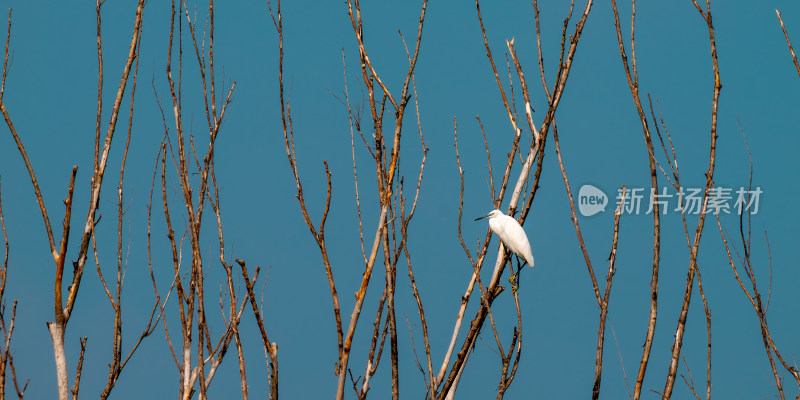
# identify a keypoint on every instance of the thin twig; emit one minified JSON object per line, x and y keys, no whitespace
{"x":788,"y":42}
{"x":633,"y":84}
{"x":676,"y":347}
{"x":598,"y":365}
{"x":79,"y":369}
{"x":449,"y":385}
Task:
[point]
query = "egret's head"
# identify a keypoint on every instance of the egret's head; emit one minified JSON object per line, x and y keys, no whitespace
{"x":493,"y":214}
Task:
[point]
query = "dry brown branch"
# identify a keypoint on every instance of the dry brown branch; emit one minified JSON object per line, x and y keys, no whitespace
{"x":32,"y":175}
{"x":270,"y":347}
{"x":405,"y":221}
{"x":242,"y":373}
{"x":759,"y":312}
{"x":598,"y":365}
{"x":537,"y":139}
{"x":542,"y":138}
{"x":708,"y":333}
{"x":690,"y":381}
{"x":517,"y":131}
{"x":79,"y":368}
{"x":185,"y":303}
{"x":496,"y":75}
{"x":622,"y":363}
{"x":670,"y":161}
{"x":6,"y":358}
{"x":475,"y":264}
{"x":97,"y":178}
{"x":118,"y":363}
{"x":98,"y":120}
{"x":62,"y":311}
{"x":755,"y":297}
{"x":20,"y":392}
{"x":377,"y":342}
{"x":234,"y":316}
{"x":5,"y":59}
{"x":788,"y":42}
{"x":575,"y":219}
{"x":422,"y":143}
{"x":524,"y":85}
{"x":539,"y":46}
{"x":673,"y":367}
{"x":488,"y":157}
{"x":675,"y":181}
{"x":4,"y":268}
{"x":508,"y":367}
{"x":391,"y":278}
{"x":64,"y":239}
{"x":516,"y":344}
{"x":208,"y":351}
{"x":288,"y":134}
{"x":176,"y":280}
{"x":21,"y":148}
{"x":390,"y":254}
{"x":387,"y":167}
{"x":633,"y":84}
{"x":449,"y":385}
{"x":514,"y":349}
{"x":511,"y":89}
{"x":159,"y":305}
{"x":414,"y":349}
{"x":425,"y":338}
{"x":57,"y":328}
{"x":536,"y":175}
{"x":354,"y":121}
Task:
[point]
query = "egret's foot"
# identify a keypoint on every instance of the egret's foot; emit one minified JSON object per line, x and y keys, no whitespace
{"x":512,"y":279}
{"x":514,"y":288}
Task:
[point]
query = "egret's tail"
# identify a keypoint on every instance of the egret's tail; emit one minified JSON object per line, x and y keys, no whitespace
{"x":529,"y":261}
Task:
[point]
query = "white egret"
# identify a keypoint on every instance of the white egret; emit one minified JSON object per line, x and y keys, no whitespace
{"x":512,"y":235}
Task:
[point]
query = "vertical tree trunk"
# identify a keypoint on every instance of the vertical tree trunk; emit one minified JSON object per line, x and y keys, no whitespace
{"x":57,"y":334}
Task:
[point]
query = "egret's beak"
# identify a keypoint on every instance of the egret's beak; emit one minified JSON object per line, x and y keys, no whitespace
{"x":485,"y":216}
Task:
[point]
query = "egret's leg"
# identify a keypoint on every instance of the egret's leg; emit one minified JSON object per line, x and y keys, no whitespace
{"x":513,"y":278}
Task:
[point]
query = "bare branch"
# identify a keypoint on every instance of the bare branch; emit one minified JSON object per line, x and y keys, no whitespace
{"x":450,"y":384}
{"x":788,"y":42}
{"x":673,"y":367}
{"x":598,"y":365}
{"x":633,"y":84}
{"x":77,"y":385}
{"x":575,"y":219}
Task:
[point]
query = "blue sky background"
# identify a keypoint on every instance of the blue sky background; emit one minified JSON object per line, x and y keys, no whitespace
{"x":51,"y":95}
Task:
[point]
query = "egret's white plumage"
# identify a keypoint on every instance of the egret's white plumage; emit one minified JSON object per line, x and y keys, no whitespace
{"x":511,"y":233}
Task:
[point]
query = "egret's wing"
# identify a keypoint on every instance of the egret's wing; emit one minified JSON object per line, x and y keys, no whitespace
{"x":517,"y":240}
